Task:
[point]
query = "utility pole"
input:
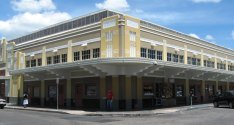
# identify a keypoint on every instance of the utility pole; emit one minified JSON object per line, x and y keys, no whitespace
{"x":57,"y":82}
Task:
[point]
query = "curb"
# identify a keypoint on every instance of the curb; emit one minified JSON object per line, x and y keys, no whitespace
{"x":114,"y":114}
{"x":30,"y":109}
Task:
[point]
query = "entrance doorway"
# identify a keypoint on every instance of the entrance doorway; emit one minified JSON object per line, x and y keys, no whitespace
{"x":78,"y":95}
{"x":52,"y":95}
{"x":2,"y":89}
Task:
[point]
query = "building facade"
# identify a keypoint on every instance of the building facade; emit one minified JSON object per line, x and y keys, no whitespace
{"x":145,"y":65}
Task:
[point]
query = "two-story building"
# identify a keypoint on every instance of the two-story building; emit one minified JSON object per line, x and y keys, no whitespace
{"x":144,"y":64}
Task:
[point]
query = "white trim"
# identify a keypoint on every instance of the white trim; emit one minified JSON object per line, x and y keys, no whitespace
{"x":151,"y":41}
{"x":80,"y":43}
{"x":132,"y":24}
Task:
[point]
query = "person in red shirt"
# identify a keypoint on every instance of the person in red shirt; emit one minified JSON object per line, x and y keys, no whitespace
{"x":109,"y":98}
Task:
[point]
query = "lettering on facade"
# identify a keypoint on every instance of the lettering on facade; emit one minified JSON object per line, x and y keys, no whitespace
{"x":109,"y":23}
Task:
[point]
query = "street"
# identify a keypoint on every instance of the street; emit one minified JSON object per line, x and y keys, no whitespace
{"x":205,"y":116}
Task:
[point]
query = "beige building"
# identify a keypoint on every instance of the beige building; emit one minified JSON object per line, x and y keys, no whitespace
{"x":144,"y":64}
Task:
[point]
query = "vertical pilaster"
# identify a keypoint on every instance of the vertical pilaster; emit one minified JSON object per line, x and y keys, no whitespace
{"x":226,"y":63}
{"x":102,"y":93}
{"x":69,"y":51}
{"x":68,"y":93}
{"x":42,"y":93}
{"x":228,"y":84}
{"x":128,"y":92}
{"x":115,"y":89}
{"x":43,"y":56}
{"x":139,"y":92}
{"x":215,"y":58}
{"x":164,"y":50}
{"x":203,"y":90}
{"x":202,"y":58}
{"x":185,"y":54}
{"x":20,"y":81}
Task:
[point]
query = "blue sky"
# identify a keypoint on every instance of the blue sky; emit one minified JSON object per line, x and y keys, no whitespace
{"x":211,"y":20}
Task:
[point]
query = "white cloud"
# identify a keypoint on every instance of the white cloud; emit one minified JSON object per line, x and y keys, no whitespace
{"x":33,"y":5}
{"x":206,"y":1}
{"x":232,"y":34}
{"x":194,"y":35}
{"x":26,"y":22}
{"x":120,"y":5}
{"x":209,"y":37}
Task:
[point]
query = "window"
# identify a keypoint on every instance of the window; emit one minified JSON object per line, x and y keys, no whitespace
{"x":159,"y":55}
{"x":132,"y":44}
{"x":39,"y":62}
{"x":194,"y":61}
{"x":208,"y":63}
{"x":64,"y":58}
{"x":49,"y":60}
{"x":189,"y":60}
{"x":181,"y":59}
{"x":198,"y":62}
{"x":109,"y":37}
{"x":179,"y":90}
{"x":76,"y":56}
{"x":148,"y":90}
{"x":96,"y":53}
{"x":175,"y":58}
{"x":168,"y":56}
{"x":151,"y":54}
{"x":91,"y":90}
{"x":28,"y":63}
{"x":85,"y":54}
{"x":33,"y":62}
{"x":143,"y":52}
{"x":56,"y":59}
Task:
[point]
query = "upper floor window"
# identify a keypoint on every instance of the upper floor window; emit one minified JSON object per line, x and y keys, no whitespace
{"x":85,"y":54}
{"x":230,"y":68}
{"x":56,"y":59}
{"x":151,"y":54}
{"x":168,"y":56}
{"x":64,"y":58}
{"x":76,"y":56}
{"x":208,"y":63}
{"x":49,"y":60}
{"x":33,"y":63}
{"x":175,"y":58}
{"x":39,"y":62}
{"x":109,"y":36}
{"x":181,"y":59}
{"x":189,"y":60}
{"x":159,"y":55}
{"x":96,"y":53}
{"x":28,"y":63}
{"x":132,"y":36}
{"x":143,"y":52}
{"x":221,"y":66}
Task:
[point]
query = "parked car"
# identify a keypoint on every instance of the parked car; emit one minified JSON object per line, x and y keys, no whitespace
{"x":2,"y":103}
{"x":224,"y":98}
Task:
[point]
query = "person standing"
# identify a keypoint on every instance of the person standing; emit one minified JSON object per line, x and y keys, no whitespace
{"x":109,"y":99}
{"x":25,"y":101}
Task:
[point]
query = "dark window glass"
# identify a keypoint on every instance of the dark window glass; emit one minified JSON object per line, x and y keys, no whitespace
{"x":85,"y":54}
{"x":159,"y":55}
{"x":39,"y":62}
{"x":181,"y":59}
{"x":151,"y":54}
{"x":168,"y":56}
{"x":76,"y":56}
{"x":143,"y":52}
{"x":96,"y":53}
{"x":175,"y":58}
{"x":33,"y":62}
{"x":49,"y":60}
{"x":64,"y":57}
{"x":56,"y":59}
{"x":27,"y":63}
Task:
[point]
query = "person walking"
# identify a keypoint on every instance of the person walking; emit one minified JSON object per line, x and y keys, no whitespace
{"x":25,"y":101}
{"x":109,"y":97}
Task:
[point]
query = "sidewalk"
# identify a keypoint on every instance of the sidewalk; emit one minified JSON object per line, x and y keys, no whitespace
{"x":115,"y":113}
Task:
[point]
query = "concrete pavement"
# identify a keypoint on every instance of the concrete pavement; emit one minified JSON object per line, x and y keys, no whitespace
{"x":114,"y":113}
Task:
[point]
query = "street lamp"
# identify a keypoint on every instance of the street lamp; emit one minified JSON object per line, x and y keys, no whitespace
{"x":57,"y":82}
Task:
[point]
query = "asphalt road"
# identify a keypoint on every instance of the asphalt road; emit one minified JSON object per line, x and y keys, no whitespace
{"x":207,"y":116}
